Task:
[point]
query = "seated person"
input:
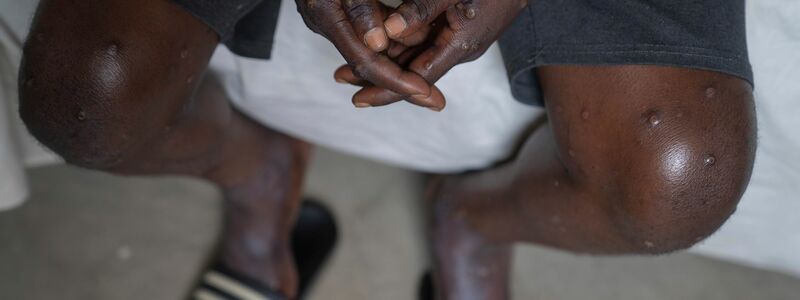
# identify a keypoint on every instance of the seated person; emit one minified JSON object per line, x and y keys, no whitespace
{"x":647,"y":147}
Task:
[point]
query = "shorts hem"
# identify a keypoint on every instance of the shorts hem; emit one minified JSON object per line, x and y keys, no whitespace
{"x":665,"y":55}
{"x":252,"y":49}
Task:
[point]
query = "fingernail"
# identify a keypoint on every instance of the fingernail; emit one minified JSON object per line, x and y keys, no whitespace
{"x":339,"y":80}
{"x":421,"y":97}
{"x":362,"y":105}
{"x":395,"y":25}
{"x":426,"y":99}
{"x":375,"y":39}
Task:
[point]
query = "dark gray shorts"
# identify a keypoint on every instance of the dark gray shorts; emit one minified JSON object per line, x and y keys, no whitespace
{"x":701,"y":34}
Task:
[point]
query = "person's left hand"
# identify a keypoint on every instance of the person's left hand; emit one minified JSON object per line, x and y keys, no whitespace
{"x":471,"y":28}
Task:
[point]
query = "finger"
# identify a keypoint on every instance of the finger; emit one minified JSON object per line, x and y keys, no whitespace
{"x":417,"y":41}
{"x":373,"y":67}
{"x":403,"y":57}
{"x":432,"y":64}
{"x":415,"y":38}
{"x":414,"y":15}
{"x":344,"y":74}
{"x":380,"y":97}
{"x":367,"y":19}
{"x":447,"y":52}
{"x":396,"y":49}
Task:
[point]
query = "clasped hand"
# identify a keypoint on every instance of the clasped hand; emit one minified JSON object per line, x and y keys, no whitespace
{"x":398,"y":54}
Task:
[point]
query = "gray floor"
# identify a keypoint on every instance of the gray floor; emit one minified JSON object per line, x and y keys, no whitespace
{"x":86,"y":235}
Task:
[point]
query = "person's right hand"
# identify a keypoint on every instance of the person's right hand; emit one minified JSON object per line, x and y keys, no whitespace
{"x":356,"y":28}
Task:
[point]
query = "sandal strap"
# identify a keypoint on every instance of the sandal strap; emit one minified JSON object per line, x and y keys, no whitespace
{"x":217,"y":284}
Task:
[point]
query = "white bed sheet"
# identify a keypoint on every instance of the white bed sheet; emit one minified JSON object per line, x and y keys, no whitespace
{"x":17,"y":148}
{"x":764,"y":230}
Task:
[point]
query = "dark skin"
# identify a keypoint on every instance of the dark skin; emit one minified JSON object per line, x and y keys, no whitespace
{"x":354,"y":27}
{"x":468,"y":30}
{"x":118,"y":86}
{"x":633,"y":159}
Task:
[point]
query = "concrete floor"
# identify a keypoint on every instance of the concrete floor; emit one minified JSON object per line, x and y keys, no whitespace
{"x":86,"y":235}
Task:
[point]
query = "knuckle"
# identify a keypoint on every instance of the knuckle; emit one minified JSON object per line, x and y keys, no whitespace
{"x":364,"y":67}
{"x":468,"y":47}
{"x":360,"y":10}
{"x":470,"y":57}
{"x":475,"y":54}
{"x":422,"y":8}
{"x":464,"y":46}
{"x":320,"y":8}
{"x":357,"y":71}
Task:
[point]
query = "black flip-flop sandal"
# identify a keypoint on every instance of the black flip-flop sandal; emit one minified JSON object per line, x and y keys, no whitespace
{"x":426,"y":289}
{"x":313,"y":239}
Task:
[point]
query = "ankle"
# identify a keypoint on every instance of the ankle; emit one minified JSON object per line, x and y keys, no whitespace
{"x":269,"y":263}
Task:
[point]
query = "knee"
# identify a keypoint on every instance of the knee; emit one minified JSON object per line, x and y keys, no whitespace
{"x":95,"y":86}
{"x":672,"y":194}
{"x":79,"y":103}
{"x":660,"y":216}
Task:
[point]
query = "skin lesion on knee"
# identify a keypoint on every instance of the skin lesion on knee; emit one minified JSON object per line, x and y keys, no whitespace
{"x":678,"y":195}
{"x":100,"y":80}
{"x":77,"y":111}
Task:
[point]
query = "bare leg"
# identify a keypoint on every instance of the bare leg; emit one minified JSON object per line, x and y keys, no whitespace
{"x":115,"y":85}
{"x":635,"y":159}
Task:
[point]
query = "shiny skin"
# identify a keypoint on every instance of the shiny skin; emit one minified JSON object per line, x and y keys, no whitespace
{"x":632,"y":159}
{"x":119,"y":86}
{"x":622,"y":166}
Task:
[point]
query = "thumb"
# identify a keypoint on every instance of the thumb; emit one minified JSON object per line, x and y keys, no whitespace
{"x":413,"y":15}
